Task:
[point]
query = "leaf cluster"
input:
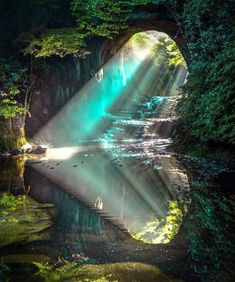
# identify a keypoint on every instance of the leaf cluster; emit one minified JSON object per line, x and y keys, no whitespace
{"x":59,"y":42}
{"x":8,"y":204}
{"x":12,"y":78}
{"x":206,"y":110}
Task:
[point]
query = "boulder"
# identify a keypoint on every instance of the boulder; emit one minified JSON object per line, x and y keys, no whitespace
{"x":37,"y":150}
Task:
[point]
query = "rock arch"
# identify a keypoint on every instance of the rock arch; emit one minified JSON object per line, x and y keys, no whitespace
{"x":68,"y":75}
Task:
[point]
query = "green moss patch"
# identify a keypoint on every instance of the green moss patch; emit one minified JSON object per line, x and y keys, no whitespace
{"x":129,"y":271}
{"x":22,"y":219}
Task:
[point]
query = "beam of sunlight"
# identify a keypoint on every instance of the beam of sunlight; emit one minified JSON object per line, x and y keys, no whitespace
{"x":114,"y":180}
{"x":78,"y":119}
{"x":118,"y":190}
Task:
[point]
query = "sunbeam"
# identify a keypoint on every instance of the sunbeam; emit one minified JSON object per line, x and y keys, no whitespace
{"x":107,"y":114}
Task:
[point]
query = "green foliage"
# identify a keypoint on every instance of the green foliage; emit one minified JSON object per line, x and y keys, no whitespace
{"x":206,"y":110}
{"x":139,"y":40}
{"x":127,"y":271}
{"x":210,"y":228}
{"x":175,"y":56}
{"x":19,"y":219}
{"x":8,"y":204}
{"x":50,"y":272}
{"x":64,"y":270}
{"x":11,"y":77}
{"x":10,"y":109}
{"x":169,"y":51}
{"x":207,"y":26}
{"x":103,"y":17}
{"x":59,"y":42}
{"x":161,"y":231}
{"x":99,"y":18}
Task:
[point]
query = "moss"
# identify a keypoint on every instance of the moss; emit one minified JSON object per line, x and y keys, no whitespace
{"x":161,"y":231}
{"x":129,"y":271}
{"x":9,"y":204}
{"x":22,"y":219}
{"x":20,"y":142}
{"x":8,"y":140}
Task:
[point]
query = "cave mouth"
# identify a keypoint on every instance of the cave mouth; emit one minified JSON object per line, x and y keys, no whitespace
{"x":145,"y":72}
{"x":154,"y":67}
{"x":108,"y":141}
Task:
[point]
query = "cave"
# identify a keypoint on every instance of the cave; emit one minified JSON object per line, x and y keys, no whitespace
{"x":116,"y":141}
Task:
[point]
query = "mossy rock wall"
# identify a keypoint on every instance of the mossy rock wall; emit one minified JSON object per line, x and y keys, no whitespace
{"x":12,"y":133}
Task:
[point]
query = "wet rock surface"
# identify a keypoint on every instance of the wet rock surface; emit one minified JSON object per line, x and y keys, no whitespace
{"x":23,"y":221}
{"x":34,"y":150}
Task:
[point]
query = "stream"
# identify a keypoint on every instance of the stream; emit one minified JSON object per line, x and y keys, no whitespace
{"x":120,"y":198}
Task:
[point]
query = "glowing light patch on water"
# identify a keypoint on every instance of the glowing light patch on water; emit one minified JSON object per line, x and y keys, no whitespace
{"x":62,"y":153}
{"x":90,"y":175}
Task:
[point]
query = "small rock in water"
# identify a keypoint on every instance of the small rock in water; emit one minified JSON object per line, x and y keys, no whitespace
{"x":74,"y":165}
{"x":37,"y":150}
{"x":52,"y":168}
{"x":34,"y":150}
{"x":17,"y":151}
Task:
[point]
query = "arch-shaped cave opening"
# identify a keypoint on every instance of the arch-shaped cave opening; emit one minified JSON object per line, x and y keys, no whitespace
{"x":158,"y":20}
{"x":67,"y":76}
{"x":129,"y":100}
{"x":140,"y":71}
{"x":161,"y":67}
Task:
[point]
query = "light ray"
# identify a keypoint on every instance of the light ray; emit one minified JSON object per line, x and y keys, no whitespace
{"x":124,"y":192}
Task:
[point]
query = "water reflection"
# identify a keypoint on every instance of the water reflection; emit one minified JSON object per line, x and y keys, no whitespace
{"x":116,"y":191}
{"x":144,"y":199}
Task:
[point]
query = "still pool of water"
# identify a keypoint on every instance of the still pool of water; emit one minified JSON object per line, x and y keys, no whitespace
{"x":106,"y":202}
{"x":116,"y":209}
